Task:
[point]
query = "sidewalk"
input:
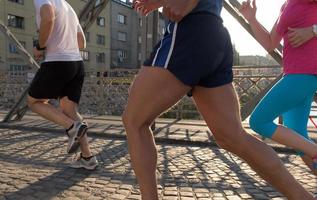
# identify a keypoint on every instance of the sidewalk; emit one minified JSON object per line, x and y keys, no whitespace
{"x":34,"y":165}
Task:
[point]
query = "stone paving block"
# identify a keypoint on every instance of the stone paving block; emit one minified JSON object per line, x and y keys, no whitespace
{"x":187,"y":198}
{"x":83,"y":195}
{"x":219,"y":198}
{"x":259,"y":196}
{"x":234,"y":197}
{"x":273,"y":194}
{"x":118,"y":196}
{"x":72,"y":198}
{"x":127,"y":187}
{"x":171,"y":188}
{"x":202,"y":195}
{"x":186,"y":194}
{"x":96,"y":198}
{"x":170,"y":198}
{"x":170,"y":193}
{"x":135,"y":197}
{"x":244,"y":196}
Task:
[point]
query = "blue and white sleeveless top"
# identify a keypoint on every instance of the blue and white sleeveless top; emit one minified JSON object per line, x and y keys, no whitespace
{"x":211,"y":6}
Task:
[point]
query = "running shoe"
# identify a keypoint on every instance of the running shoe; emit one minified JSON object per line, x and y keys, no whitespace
{"x":78,"y":130}
{"x":87,"y":163}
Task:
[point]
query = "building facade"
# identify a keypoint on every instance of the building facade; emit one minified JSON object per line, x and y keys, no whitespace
{"x":132,"y":35}
{"x":19,"y":16}
{"x":124,"y":31}
{"x":120,"y":38}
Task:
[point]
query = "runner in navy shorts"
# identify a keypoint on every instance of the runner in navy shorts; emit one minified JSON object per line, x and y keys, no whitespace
{"x":197,"y":51}
{"x":194,"y":56}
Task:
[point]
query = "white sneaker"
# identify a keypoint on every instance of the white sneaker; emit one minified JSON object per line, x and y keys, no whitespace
{"x":80,"y":162}
{"x":74,"y":135}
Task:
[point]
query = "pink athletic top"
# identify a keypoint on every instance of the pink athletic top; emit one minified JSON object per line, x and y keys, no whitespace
{"x":298,"y":14}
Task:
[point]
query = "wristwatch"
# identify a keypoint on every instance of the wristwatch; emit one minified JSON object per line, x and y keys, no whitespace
{"x":37,"y":46}
{"x":315,"y":29}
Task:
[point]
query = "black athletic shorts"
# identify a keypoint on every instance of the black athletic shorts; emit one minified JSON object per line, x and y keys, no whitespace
{"x":58,"y":79}
{"x":197,"y":50}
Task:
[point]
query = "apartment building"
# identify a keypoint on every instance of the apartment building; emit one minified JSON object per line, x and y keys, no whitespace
{"x":133,"y":36}
{"x":19,"y":16}
{"x":119,"y":38}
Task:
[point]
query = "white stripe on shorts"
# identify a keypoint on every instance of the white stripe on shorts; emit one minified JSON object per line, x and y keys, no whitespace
{"x":172,"y":46}
{"x":158,"y":50}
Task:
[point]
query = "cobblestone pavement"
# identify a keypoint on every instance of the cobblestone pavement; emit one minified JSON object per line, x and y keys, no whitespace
{"x":33,"y":165}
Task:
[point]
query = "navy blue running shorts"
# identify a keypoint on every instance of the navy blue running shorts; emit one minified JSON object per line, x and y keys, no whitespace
{"x":197,"y":50}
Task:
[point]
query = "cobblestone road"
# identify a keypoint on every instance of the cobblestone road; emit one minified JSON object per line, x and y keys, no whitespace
{"x":33,"y":165}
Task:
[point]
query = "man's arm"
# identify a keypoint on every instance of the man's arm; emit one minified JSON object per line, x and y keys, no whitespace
{"x":81,"y":39}
{"x":47,"y":23}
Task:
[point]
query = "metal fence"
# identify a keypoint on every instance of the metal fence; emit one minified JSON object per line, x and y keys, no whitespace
{"x":106,"y":93}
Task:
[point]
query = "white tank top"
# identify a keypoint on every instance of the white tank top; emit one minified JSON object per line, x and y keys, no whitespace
{"x":62,"y":44}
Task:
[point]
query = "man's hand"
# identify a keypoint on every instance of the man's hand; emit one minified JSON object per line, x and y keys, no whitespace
{"x":144,"y":7}
{"x":299,"y":36}
{"x":176,"y":10}
{"x":38,"y":55}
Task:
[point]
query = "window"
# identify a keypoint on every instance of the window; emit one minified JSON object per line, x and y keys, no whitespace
{"x":17,"y":70}
{"x":17,"y":1}
{"x":140,"y":22}
{"x":85,"y":55}
{"x":13,"y":48}
{"x":139,"y":56}
{"x":101,"y":58}
{"x":87,"y":36}
{"x":122,"y":36}
{"x":121,"y":55}
{"x":101,"y":21}
{"x":139,"y":39}
{"x":101,"y":39}
{"x":35,"y":41}
{"x":15,"y":21}
{"x":122,"y":19}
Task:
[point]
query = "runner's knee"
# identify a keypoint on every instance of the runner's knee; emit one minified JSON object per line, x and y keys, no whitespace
{"x":130,"y":120}
{"x":31,"y":101}
{"x":229,"y":138}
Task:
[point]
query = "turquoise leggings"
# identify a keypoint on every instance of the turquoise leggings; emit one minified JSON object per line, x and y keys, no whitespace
{"x":291,"y":97}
